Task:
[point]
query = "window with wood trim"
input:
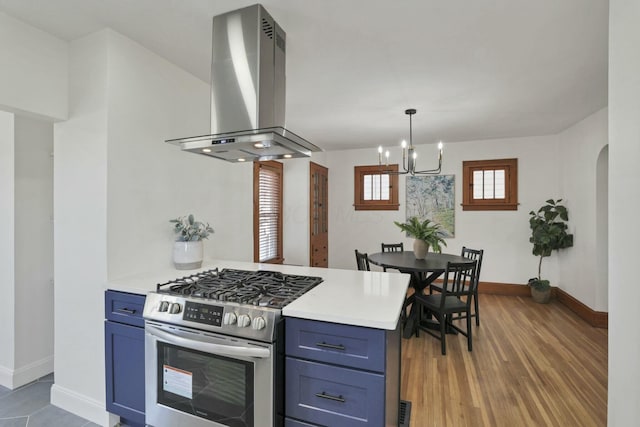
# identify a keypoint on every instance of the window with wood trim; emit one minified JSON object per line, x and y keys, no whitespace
{"x":267,"y":212}
{"x":490,"y":185}
{"x":374,"y":189}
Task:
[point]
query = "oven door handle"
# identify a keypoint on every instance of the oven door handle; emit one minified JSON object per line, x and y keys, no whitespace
{"x":207,"y":347}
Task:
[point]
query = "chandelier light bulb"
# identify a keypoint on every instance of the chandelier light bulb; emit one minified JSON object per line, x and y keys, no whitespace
{"x":403,"y":144}
{"x":440,"y":145}
{"x":415,"y":155}
{"x":380,"y":149}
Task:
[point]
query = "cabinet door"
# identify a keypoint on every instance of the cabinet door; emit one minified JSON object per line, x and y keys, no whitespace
{"x":124,"y":360}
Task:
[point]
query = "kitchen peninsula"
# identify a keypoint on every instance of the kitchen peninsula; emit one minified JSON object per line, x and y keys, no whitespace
{"x":339,"y":345}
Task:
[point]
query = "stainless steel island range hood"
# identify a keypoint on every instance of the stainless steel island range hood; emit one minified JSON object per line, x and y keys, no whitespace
{"x":248,"y":92}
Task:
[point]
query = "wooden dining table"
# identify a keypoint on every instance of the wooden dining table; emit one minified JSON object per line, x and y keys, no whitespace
{"x":423,"y":273}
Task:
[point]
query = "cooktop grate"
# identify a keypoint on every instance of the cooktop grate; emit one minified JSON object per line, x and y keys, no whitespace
{"x":261,"y":288}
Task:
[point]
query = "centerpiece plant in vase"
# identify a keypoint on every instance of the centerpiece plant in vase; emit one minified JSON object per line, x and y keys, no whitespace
{"x":425,"y":233}
{"x":548,"y":233}
{"x":188,"y":248}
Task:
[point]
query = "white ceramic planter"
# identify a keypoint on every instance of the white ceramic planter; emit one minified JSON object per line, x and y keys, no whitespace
{"x":187,"y":255}
{"x":420,"y":248}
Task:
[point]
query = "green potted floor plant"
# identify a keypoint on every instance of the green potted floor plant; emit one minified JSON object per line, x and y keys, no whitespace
{"x":188,"y":249}
{"x":425,"y":233}
{"x":548,"y":233}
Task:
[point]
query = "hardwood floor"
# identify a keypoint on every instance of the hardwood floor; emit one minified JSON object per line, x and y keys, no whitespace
{"x":531,"y":365}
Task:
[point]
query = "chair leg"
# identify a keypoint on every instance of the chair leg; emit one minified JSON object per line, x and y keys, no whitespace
{"x":443,"y":334}
{"x":475,"y":304}
{"x":469,"y":331}
{"x":420,"y":310}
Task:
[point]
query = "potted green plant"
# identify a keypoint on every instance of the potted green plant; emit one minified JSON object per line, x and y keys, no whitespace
{"x":425,"y":233}
{"x":548,"y":233}
{"x":188,"y":248}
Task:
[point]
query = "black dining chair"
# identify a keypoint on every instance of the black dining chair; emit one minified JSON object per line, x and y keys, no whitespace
{"x":396,"y":247}
{"x":475,"y":255}
{"x":391,"y":247}
{"x":362,"y":259}
{"x":458,"y":287}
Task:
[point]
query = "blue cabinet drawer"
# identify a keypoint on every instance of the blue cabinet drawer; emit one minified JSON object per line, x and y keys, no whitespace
{"x":123,"y":307}
{"x":288,"y":422}
{"x":333,"y":396}
{"x":354,"y":346}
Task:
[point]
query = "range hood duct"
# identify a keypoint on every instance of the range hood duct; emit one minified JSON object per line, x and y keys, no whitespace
{"x":248,"y":92}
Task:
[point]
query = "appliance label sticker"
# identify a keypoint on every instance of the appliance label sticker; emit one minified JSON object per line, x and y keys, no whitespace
{"x":177,"y":381}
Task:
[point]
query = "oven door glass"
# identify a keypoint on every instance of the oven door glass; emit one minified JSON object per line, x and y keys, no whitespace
{"x":195,"y":382}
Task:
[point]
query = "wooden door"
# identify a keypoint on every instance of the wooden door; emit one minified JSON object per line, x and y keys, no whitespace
{"x":318,"y":215}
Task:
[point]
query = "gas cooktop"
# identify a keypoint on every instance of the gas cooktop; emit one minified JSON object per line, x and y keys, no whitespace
{"x":239,"y":303}
{"x":258,"y":288}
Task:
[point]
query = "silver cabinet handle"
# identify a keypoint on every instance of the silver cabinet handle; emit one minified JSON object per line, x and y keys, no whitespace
{"x":330,"y":397}
{"x":331,"y":346}
{"x":207,"y":347}
{"x":126,"y":311}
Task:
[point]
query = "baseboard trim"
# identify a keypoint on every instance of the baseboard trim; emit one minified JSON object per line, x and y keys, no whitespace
{"x":597,"y":319}
{"x":33,"y":371}
{"x":6,"y":377}
{"x":507,"y":289}
{"x":12,"y":379}
{"x":82,"y":406}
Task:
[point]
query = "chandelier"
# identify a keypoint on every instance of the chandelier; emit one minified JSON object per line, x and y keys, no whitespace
{"x":409,"y":155}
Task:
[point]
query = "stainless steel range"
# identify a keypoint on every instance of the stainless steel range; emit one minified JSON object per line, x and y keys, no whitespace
{"x":214,"y":348}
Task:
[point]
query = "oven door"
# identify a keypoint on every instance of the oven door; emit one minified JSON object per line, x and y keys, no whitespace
{"x":202,"y":379}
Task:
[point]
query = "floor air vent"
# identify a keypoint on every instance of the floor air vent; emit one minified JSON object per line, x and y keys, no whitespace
{"x":405,"y":413}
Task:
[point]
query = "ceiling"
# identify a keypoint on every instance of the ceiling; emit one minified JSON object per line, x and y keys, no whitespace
{"x":473,"y":69}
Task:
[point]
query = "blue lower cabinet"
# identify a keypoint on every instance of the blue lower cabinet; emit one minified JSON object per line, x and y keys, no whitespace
{"x":124,"y":365}
{"x":341,"y":375}
{"x":333,"y":395}
{"x":288,"y":422}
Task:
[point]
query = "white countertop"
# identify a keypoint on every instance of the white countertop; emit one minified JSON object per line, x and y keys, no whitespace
{"x":362,"y":298}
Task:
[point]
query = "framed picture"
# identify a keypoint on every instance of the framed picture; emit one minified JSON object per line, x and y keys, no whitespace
{"x":432,"y":197}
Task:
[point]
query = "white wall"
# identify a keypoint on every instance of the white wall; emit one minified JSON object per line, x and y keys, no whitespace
{"x":118,"y":184}
{"x":34,"y":83}
{"x":295,"y":233}
{"x":150,"y":181}
{"x":33,"y":249}
{"x":580,"y":146}
{"x":296,"y":227}
{"x":80,"y":212}
{"x":504,"y":235}
{"x":26,"y":251}
{"x":602,"y":230}
{"x":624,"y":204}
{"x":34,"y":70}
{"x":7,"y":263}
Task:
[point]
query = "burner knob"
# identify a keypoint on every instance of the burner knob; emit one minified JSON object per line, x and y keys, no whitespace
{"x":244,"y":320}
{"x":174,"y":308}
{"x":229,"y":318}
{"x":164,"y":306}
{"x":258,"y":323}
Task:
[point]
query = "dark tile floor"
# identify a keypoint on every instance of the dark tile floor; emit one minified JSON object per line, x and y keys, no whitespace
{"x":28,"y":406}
